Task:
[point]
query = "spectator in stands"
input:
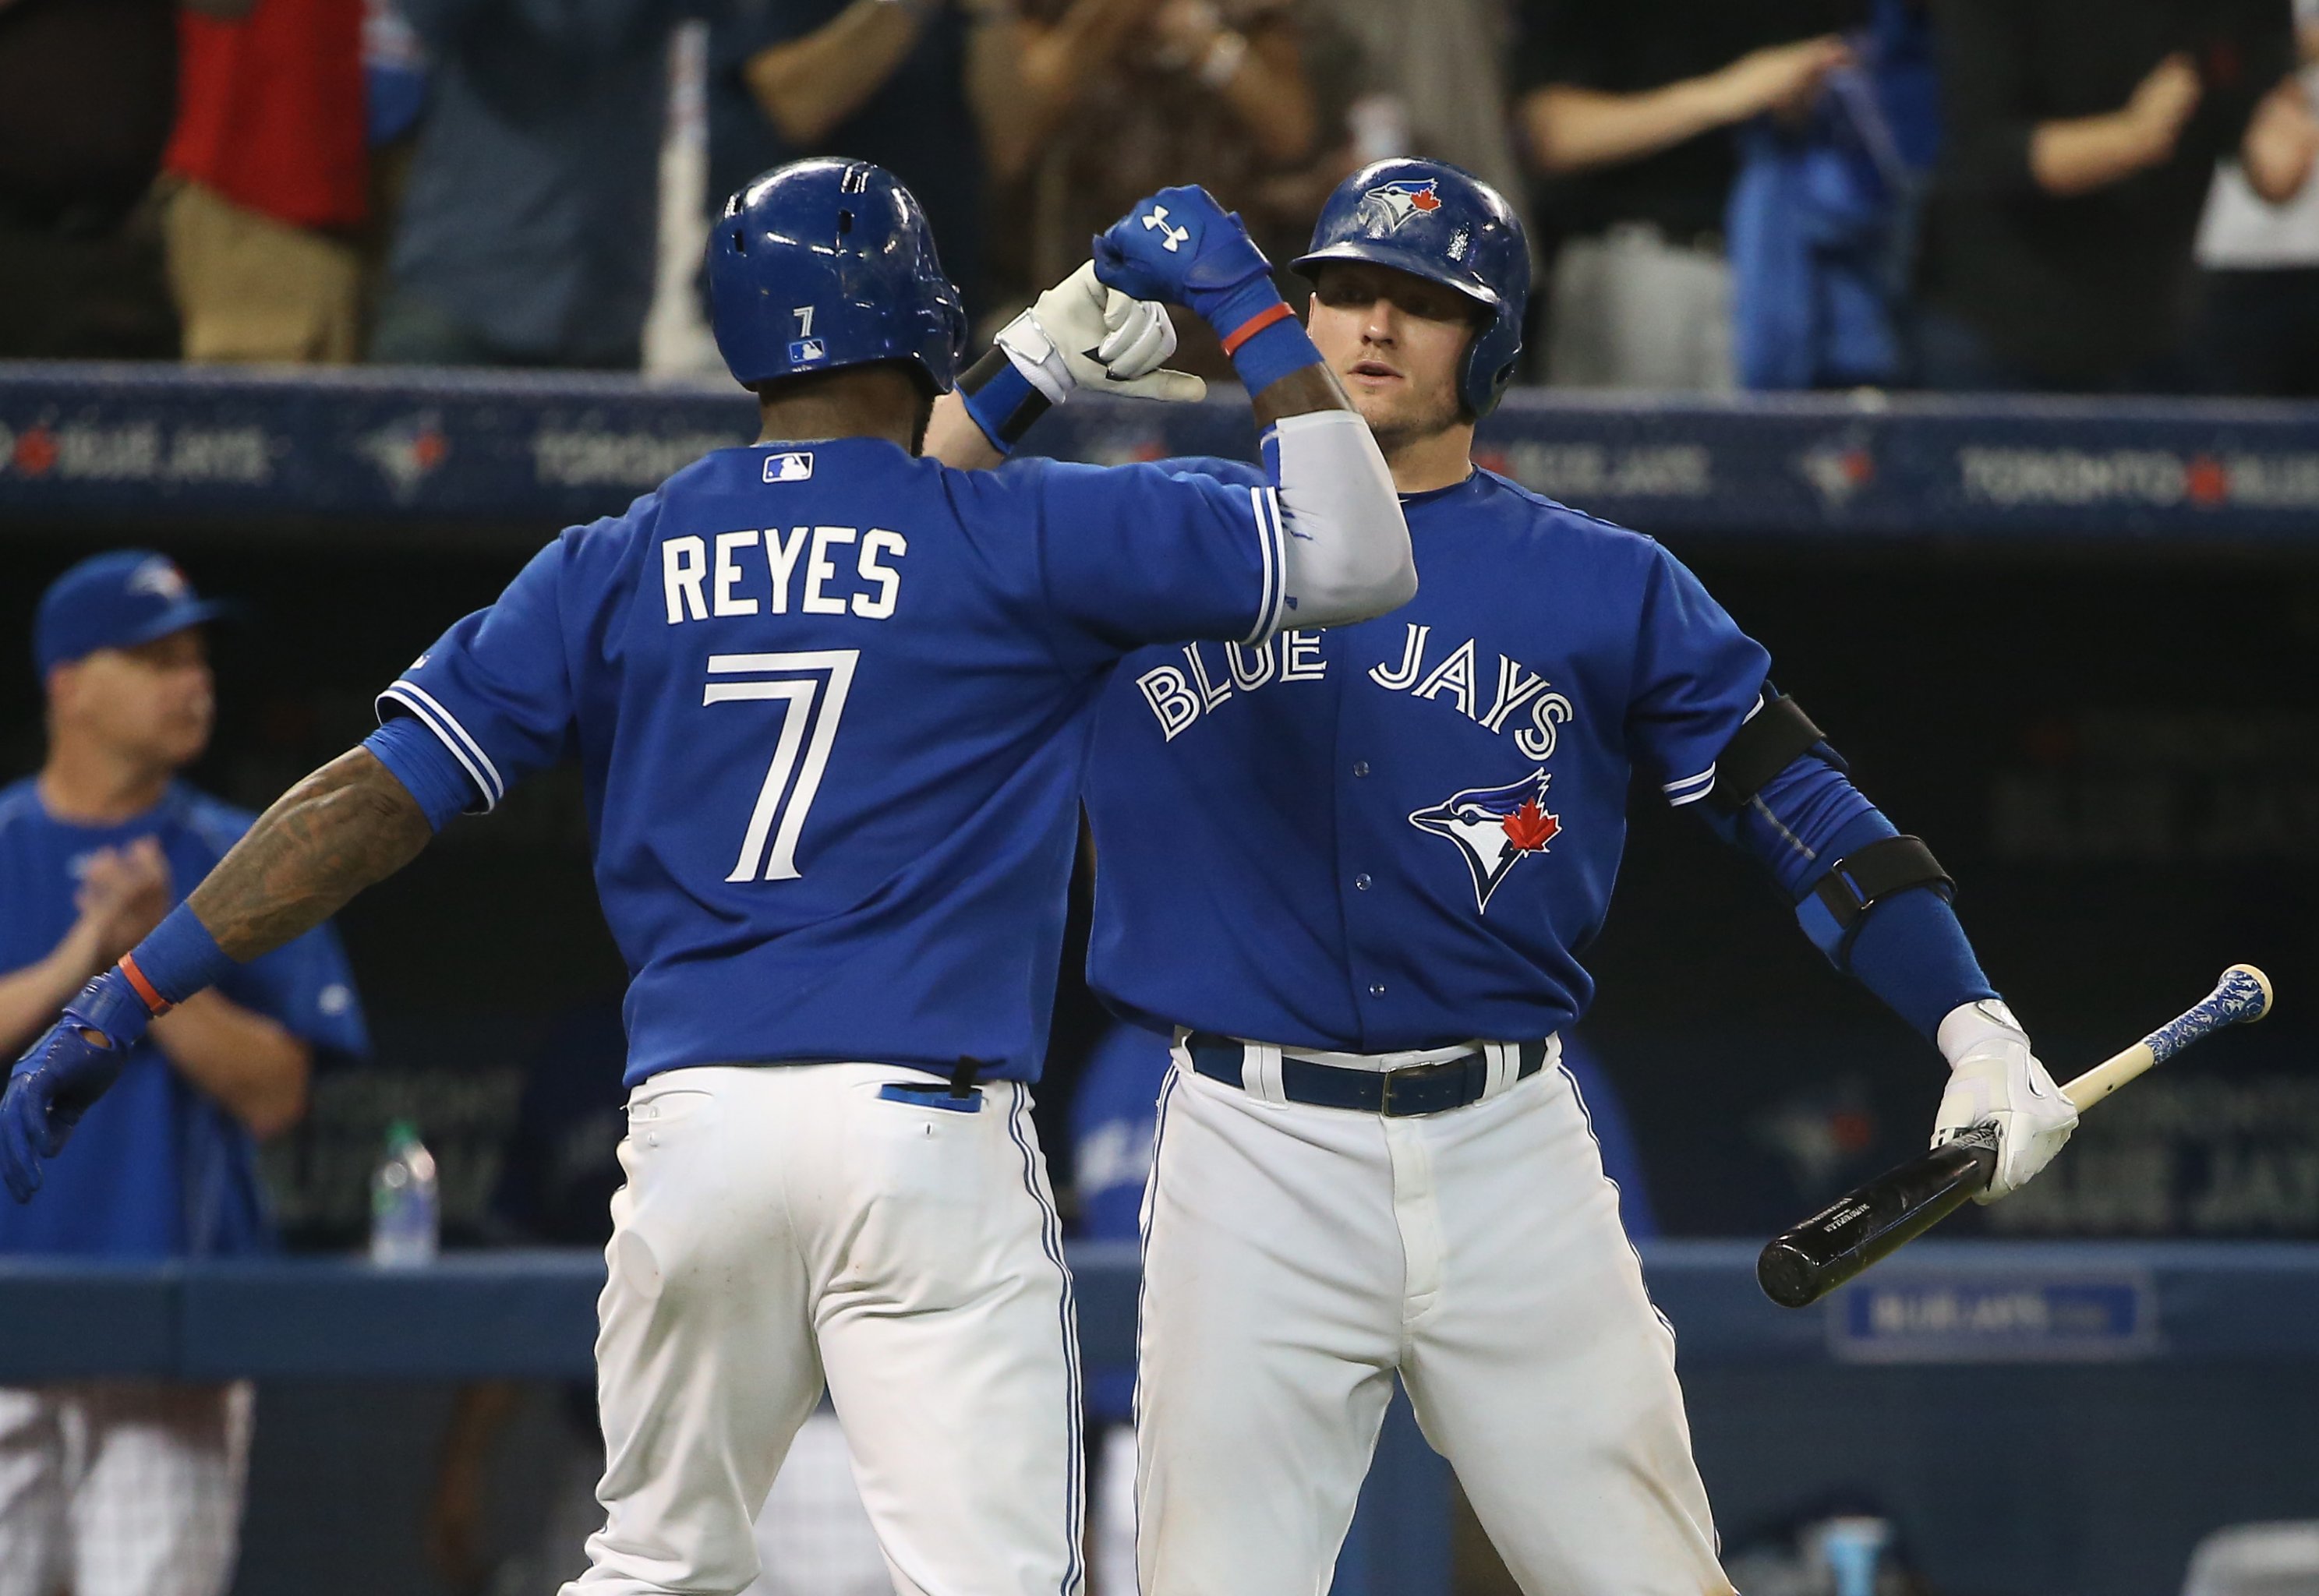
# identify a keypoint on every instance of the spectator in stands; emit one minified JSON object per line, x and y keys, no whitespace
{"x":1627,"y":107}
{"x":907,"y":83}
{"x":2081,"y":136}
{"x":1434,"y":84}
{"x":130,"y":1487}
{"x":86,"y":88}
{"x":1626,"y":113}
{"x":1823,"y":218}
{"x":270,"y":180}
{"x":2260,"y":333}
{"x":527,"y":234}
{"x":1120,"y":97}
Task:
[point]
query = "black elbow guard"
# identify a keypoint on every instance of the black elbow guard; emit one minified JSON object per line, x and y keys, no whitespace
{"x":1832,"y":911}
{"x":1767,"y":743}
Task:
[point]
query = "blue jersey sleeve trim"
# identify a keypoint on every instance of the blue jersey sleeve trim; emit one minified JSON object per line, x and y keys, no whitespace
{"x":1691,"y":788}
{"x":1270,"y":537}
{"x":456,"y":737}
{"x":428,"y":768}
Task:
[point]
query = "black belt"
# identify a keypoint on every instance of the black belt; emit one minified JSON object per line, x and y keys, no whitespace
{"x":1420,"y":1088}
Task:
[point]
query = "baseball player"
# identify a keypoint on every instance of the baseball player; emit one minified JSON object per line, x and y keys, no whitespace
{"x":127,"y":1487}
{"x":1351,"y":870}
{"x":831,"y":703}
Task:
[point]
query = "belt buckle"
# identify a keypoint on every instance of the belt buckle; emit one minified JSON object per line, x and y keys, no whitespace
{"x":1415,"y":1072}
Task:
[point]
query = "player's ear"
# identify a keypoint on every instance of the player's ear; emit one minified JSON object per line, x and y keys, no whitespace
{"x":60,"y":683}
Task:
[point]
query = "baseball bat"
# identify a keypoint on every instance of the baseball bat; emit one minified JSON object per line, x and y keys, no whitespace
{"x":1801,"y":1266}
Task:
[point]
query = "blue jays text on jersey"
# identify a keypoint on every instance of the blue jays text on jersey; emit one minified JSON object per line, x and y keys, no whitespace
{"x":831,"y":704}
{"x":1401,"y":834}
{"x":157,"y":1169}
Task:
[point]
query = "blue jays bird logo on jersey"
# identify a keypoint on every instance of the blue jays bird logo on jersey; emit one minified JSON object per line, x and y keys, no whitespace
{"x":1389,"y":205}
{"x":1494,"y":828}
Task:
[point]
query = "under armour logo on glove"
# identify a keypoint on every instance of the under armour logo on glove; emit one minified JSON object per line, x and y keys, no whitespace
{"x":1171,"y":237}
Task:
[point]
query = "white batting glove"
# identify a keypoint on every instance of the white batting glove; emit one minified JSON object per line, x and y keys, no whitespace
{"x":1083,"y":335}
{"x":1995,"y":1078}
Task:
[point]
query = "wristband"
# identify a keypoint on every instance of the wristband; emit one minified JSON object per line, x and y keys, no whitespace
{"x":179,"y":959}
{"x":1001,"y":400}
{"x":1269,"y":347}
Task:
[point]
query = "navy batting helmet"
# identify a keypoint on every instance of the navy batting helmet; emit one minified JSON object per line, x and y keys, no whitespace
{"x":1436,"y":220}
{"x":828,"y":263}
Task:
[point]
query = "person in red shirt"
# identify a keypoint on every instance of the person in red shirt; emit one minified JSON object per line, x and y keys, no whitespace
{"x":270,"y":176}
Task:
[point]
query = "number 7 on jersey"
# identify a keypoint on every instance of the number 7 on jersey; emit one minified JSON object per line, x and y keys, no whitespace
{"x":812,"y":688}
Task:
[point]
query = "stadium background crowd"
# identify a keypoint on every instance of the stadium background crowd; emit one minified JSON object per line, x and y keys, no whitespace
{"x":2013,"y":194}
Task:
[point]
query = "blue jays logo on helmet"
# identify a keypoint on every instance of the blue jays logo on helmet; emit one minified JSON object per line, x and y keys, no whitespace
{"x":1495,"y":828}
{"x":1437,"y":222}
{"x":1383,"y":209}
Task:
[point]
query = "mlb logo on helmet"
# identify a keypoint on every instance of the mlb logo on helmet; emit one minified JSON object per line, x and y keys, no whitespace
{"x":1389,"y":205}
{"x":808,"y":351}
{"x":1494,"y":828}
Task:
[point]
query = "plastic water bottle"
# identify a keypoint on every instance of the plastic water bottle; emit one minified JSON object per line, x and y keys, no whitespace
{"x":1851,"y":1548}
{"x":405,"y":1218}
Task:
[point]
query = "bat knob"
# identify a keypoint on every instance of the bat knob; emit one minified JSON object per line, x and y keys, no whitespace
{"x":1787,"y":1277}
{"x":2251,"y":989}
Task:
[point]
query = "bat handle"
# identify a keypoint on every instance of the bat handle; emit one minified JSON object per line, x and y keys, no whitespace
{"x":2239,"y":998}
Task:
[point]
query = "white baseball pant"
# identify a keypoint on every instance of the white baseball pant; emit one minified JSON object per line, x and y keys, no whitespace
{"x":785,"y":1226}
{"x":122,"y":1487}
{"x":1296,"y":1257}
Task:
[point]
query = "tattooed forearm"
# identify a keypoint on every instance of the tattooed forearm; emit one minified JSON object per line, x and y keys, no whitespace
{"x":345,"y":827}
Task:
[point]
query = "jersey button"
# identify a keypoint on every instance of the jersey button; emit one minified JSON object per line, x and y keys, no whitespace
{"x":1361,"y":881}
{"x":1360,"y":767}
{"x":1376,"y":988}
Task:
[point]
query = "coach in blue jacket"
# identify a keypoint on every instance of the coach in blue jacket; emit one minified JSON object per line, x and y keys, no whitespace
{"x":133,"y":1488}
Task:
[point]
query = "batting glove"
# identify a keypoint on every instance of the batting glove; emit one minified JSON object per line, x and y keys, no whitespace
{"x":63,"y":1073}
{"x":1083,"y":335}
{"x":1181,"y":246}
{"x":1995,"y":1079}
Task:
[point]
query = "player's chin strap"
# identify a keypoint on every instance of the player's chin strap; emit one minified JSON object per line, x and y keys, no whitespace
{"x":1831,"y":913}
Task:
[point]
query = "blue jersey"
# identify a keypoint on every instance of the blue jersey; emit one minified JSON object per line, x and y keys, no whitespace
{"x":157,"y":1169}
{"x":1403,"y":833}
{"x":831,"y":705}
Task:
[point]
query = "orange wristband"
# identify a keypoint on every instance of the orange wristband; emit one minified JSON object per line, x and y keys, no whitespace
{"x":1272,"y":313}
{"x":146,"y":992}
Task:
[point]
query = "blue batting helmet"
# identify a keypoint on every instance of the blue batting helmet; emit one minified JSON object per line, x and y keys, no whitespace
{"x":1436,"y":220}
{"x":829,"y":263}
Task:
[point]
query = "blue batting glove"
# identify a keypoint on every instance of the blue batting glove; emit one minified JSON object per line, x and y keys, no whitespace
{"x":1181,"y":246}
{"x":63,"y":1073}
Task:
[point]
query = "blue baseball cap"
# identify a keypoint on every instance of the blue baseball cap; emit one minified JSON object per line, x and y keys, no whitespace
{"x":116,"y":600}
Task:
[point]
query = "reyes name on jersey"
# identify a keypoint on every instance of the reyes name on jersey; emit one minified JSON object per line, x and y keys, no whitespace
{"x":1401,"y":833}
{"x":830,"y":703}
